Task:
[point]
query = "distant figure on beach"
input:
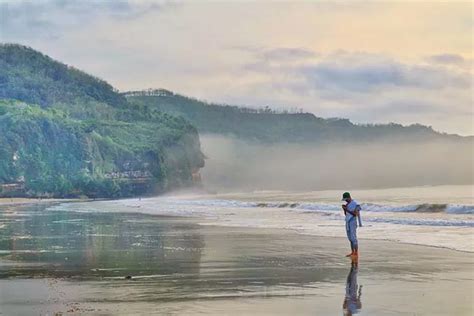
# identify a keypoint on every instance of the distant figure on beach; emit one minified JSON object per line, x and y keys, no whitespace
{"x":352,"y":304}
{"x":351,"y":212}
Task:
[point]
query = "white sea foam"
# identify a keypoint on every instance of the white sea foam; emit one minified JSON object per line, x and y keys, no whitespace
{"x":317,"y":206}
{"x":366,"y":207}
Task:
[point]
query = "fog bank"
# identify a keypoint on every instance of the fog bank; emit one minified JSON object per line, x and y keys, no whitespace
{"x":235,"y":165}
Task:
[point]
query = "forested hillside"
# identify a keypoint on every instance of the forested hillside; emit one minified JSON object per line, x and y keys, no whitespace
{"x":271,"y":126}
{"x":66,"y":133}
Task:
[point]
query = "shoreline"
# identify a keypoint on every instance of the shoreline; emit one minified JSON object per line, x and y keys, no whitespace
{"x":59,"y":201}
{"x":32,"y":201}
{"x":315,"y":223}
{"x":22,"y":201}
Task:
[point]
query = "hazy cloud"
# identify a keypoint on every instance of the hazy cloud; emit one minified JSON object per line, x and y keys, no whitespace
{"x":359,"y":72}
{"x":447,"y":59}
{"x":365,"y":87}
{"x":416,"y":107}
{"x":283,"y":54}
{"x":50,"y":19}
{"x":369,"y":75}
{"x":235,"y":165}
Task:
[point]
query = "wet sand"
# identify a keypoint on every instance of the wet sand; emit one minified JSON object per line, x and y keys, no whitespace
{"x":77,"y":263}
{"x":17,"y":201}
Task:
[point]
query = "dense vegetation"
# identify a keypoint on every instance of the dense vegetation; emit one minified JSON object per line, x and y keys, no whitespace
{"x":65,"y":133}
{"x":35,"y":78}
{"x":270,"y":126}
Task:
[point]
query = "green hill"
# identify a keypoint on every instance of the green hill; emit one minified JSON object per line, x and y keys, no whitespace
{"x":32,"y":77}
{"x":66,"y":133}
{"x":266,"y":125}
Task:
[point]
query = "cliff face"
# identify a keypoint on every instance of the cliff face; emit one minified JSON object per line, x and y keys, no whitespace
{"x":65,"y":133}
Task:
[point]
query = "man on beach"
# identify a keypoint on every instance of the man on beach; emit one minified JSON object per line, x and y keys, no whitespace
{"x":351,"y":211}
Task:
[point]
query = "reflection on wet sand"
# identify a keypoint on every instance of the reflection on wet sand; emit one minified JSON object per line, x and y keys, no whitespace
{"x":352,"y":303}
{"x":90,"y":245}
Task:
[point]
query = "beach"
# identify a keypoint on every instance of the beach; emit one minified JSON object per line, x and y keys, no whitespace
{"x":65,"y":260}
{"x":268,"y":157}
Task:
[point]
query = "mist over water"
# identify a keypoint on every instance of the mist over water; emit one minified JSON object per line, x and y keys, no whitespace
{"x":235,"y":164}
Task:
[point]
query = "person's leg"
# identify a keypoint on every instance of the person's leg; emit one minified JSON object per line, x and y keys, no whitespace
{"x":351,"y":235}
{"x":355,"y":242}
{"x":348,"y":232}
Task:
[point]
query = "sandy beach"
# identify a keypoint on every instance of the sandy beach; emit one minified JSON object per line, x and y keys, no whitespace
{"x":66,"y":263}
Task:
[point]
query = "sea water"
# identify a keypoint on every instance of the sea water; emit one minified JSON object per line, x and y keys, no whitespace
{"x":438,"y":216}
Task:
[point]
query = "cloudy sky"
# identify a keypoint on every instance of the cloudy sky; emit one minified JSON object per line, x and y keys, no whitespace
{"x":369,"y":61}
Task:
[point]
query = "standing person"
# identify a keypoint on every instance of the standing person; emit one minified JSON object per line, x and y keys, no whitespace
{"x":351,"y":211}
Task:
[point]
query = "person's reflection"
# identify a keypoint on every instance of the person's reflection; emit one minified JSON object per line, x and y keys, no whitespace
{"x":352,"y":303}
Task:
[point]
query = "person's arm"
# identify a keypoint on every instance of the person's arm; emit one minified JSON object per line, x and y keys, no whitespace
{"x":356,"y":211}
{"x":350,"y":212}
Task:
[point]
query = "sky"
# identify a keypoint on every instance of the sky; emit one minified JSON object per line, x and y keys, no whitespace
{"x":369,"y":61}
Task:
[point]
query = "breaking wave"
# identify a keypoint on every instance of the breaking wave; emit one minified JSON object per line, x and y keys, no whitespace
{"x":366,"y":207}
